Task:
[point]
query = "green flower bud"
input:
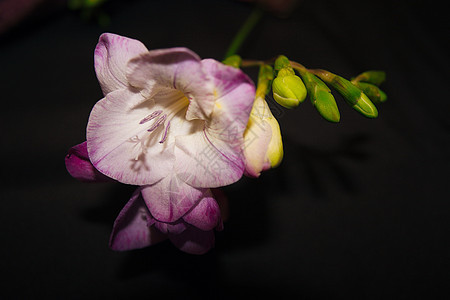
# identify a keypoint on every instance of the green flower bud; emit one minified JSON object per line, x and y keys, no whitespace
{"x":372,"y":91}
{"x":288,"y":89}
{"x":353,"y":95}
{"x":321,"y":97}
{"x":233,"y":60}
{"x":373,"y":77}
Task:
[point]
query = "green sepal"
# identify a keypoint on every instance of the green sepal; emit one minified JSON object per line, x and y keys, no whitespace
{"x":373,"y":77}
{"x":233,"y":60}
{"x":281,"y":62}
{"x":321,"y":97}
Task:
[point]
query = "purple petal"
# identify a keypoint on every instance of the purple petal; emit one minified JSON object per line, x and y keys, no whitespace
{"x":132,"y":228}
{"x":80,"y":167}
{"x":205,"y":215}
{"x":193,"y":240}
{"x":111,"y":57}
{"x":171,"y":198}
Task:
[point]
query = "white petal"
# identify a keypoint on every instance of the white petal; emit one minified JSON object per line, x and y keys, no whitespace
{"x":122,"y":148}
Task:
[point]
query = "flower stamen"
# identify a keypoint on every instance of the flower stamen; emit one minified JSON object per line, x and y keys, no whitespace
{"x":157,"y":123}
{"x":165,"y":133}
{"x":151,"y":116}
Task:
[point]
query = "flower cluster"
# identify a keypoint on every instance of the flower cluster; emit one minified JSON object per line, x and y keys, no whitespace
{"x":173,"y":125}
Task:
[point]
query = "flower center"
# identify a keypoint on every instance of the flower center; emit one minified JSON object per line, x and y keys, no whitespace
{"x":161,"y":118}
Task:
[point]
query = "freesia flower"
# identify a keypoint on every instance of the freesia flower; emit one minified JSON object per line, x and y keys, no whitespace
{"x":173,"y":124}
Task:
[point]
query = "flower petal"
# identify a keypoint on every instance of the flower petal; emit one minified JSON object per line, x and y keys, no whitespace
{"x":171,"y":198}
{"x":174,"y":68}
{"x":193,"y":240}
{"x":80,"y":167}
{"x":205,"y":215}
{"x":234,"y":93}
{"x":214,"y":157}
{"x":132,"y":228}
{"x":201,"y":164}
{"x":111,"y":57}
{"x":257,"y":139}
{"x":120,"y":146}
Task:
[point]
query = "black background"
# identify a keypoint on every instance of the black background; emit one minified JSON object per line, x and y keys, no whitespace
{"x":357,"y":210}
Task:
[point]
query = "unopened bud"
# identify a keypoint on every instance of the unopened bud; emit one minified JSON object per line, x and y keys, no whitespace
{"x":353,"y":95}
{"x":321,"y":97}
{"x":263,"y":143}
{"x":288,"y":89}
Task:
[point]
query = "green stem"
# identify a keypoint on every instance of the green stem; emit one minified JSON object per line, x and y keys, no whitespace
{"x":256,"y":63}
{"x":244,"y":31}
{"x":251,"y":63}
{"x":299,"y":67}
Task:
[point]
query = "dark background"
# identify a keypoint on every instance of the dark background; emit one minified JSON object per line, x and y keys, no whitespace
{"x":357,"y":210}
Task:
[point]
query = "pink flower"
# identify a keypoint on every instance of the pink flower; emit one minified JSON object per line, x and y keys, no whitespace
{"x":173,"y":124}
